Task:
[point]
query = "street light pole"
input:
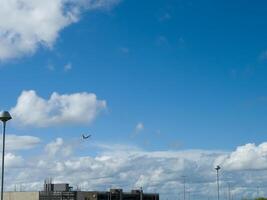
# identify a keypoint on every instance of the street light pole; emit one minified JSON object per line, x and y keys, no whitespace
{"x":4,"y":117}
{"x":189,"y":195}
{"x":229,"y":191}
{"x":218,"y":186}
{"x":184,"y":185}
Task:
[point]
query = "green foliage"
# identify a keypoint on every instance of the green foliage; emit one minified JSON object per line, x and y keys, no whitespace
{"x":261,"y":198}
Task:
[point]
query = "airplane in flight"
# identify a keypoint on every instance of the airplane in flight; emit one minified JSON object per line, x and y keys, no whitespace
{"x":85,"y":137}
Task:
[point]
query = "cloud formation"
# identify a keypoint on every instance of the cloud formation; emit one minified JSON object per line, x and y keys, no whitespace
{"x":67,"y":67}
{"x":138,"y":129}
{"x":34,"y":23}
{"x":15,"y":142}
{"x":247,"y":157}
{"x":76,"y":108}
{"x":132,"y":167}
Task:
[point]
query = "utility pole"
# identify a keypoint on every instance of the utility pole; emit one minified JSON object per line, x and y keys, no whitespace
{"x":258,"y":192}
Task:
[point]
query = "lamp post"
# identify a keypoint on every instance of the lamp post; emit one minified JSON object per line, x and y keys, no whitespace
{"x":229,"y":191}
{"x":184,"y":177}
{"x":218,"y":187}
{"x":4,"y":117}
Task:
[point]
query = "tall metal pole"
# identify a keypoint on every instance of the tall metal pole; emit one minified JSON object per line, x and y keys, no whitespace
{"x":141,"y":193}
{"x":218,"y":186}
{"x":4,"y":117}
{"x":3,"y":159}
{"x":184,"y":186}
{"x":189,"y":197}
{"x":229,"y":192}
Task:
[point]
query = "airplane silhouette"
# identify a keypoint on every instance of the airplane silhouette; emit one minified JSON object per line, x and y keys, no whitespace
{"x":86,"y":136}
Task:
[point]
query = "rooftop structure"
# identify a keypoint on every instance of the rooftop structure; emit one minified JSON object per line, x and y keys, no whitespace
{"x":63,"y":191}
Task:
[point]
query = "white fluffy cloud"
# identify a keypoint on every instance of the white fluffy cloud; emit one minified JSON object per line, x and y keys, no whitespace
{"x":27,"y":24}
{"x":77,"y":108}
{"x":131,"y":167}
{"x":247,"y":157}
{"x":15,"y":142}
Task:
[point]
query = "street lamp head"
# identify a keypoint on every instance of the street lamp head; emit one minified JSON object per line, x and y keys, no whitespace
{"x":5,"y":116}
{"x":218,"y":168}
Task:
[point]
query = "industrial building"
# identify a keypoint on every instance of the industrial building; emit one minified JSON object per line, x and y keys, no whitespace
{"x":65,"y":192}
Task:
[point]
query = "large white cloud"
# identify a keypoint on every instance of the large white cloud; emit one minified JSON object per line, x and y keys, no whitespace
{"x":27,"y":24}
{"x":132,"y":167}
{"x":77,"y":108}
{"x":247,"y":157}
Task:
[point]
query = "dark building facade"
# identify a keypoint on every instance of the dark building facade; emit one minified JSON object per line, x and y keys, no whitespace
{"x":64,"y":192}
{"x":118,"y":194}
{"x":60,"y":191}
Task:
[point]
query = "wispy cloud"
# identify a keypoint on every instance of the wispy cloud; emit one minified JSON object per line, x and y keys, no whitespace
{"x":50,"y":67}
{"x":24,"y":142}
{"x":165,"y":17}
{"x":263,"y":56}
{"x":125,"y":50}
{"x":138,"y":129}
{"x":162,"y":40}
{"x":67,"y":67}
{"x":175,"y":144}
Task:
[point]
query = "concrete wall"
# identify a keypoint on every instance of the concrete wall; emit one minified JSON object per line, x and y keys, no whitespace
{"x":21,"y":195}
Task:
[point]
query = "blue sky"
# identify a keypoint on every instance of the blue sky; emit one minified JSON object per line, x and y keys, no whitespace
{"x":189,"y":69}
{"x":190,"y":73}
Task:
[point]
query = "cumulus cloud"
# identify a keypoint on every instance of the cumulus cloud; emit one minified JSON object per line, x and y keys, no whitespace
{"x":34,"y":23}
{"x":132,"y":167}
{"x":52,"y":148}
{"x":59,"y":148}
{"x":247,"y":157}
{"x":76,"y":108}
{"x":114,"y":164}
